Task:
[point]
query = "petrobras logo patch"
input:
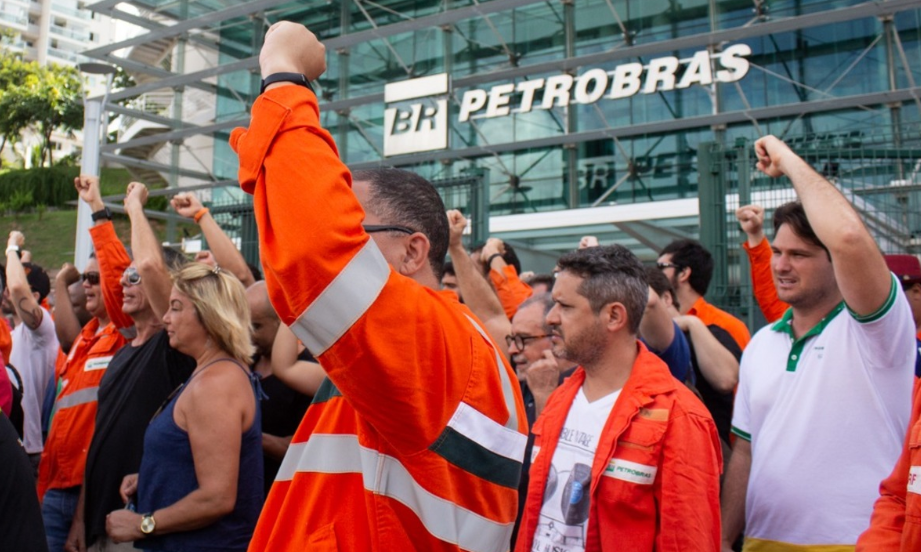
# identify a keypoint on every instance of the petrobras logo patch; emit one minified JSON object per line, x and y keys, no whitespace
{"x":633,"y":472}
{"x":416,"y":116}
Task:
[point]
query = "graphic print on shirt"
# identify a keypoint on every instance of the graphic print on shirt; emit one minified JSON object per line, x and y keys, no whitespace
{"x":563,"y":523}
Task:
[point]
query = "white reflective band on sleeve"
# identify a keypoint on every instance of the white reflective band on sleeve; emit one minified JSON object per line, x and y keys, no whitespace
{"x":82,"y":396}
{"x":488,"y":433}
{"x":98,"y":363}
{"x":914,"y":480}
{"x":507,"y":394}
{"x":343,"y":301}
{"x":626,"y":470}
{"x":385,"y":476}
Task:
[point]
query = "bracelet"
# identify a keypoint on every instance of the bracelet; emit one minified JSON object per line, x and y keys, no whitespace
{"x":16,"y":249}
{"x":201,"y":212}
{"x":492,"y":258}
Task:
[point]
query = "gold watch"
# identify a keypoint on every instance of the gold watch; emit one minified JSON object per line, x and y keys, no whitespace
{"x":148,"y":524}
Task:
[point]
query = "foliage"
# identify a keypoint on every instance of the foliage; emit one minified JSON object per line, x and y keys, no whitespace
{"x":51,"y":186}
{"x":43,"y":98}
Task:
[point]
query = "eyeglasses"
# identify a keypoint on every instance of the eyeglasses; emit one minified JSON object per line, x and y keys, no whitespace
{"x":132,"y":276}
{"x":663,"y":266}
{"x":92,"y":278}
{"x":520,"y":340}
{"x":372,"y":228}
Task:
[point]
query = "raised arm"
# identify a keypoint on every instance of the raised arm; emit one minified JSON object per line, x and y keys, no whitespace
{"x":110,"y":253}
{"x":860,"y":269}
{"x":21,"y":295}
{"x":148,"y":255}
{"x":509,"y":287}
{"x":226,"y":254}
{"x":751,"y":219}
{"x":476,"y":291}
{"x":66,"y":325}
{"x":302,"y":376}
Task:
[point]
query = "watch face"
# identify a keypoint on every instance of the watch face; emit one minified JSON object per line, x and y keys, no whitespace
{"x":148,"y":525}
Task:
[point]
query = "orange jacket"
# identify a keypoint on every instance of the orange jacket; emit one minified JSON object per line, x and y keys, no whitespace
{"x":656,"y":422}
{"x":511,"y":290}
{"x":113,"y":260}
{"x":6,"y":340}
{"x":74,"y":415}
{"x":759,"y":258}
{"x":711,"y":315}
{"x":415,"y":440}
{"x":896,"y":522}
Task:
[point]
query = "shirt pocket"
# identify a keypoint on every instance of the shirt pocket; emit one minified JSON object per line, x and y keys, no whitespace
{"x":628,"y":481}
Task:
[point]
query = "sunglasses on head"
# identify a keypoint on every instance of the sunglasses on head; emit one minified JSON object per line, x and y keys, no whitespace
{"x":132,"y":276}
{"x":92,"y":278}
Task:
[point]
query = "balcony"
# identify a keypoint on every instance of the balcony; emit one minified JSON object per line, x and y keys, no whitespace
{"x":72,"y":12}
{"x":80,"y":36}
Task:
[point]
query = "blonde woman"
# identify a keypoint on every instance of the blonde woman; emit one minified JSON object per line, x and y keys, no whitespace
{"x":200,"y":482}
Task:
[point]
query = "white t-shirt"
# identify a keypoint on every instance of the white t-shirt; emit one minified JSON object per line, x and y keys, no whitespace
{"x":34,"y":354}
{"x":826,"y":416}
{"x":563,"y":523}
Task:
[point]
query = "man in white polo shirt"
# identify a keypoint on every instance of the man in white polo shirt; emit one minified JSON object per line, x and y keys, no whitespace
{"x":824,"y":393}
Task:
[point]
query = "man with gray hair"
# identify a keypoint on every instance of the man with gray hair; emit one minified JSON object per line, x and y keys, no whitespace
{"x":626,"y":457}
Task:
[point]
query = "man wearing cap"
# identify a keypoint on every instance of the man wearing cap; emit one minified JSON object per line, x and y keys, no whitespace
{"x":35,"y":345}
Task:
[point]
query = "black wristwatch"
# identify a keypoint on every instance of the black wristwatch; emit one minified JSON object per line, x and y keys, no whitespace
{"x":103,"y":213}
{"x":296,"y":78}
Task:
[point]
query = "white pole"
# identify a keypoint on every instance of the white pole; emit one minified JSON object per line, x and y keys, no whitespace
{"x":89,"y":164}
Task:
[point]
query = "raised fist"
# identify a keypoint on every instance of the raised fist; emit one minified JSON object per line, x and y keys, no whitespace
{"x":186,"y":204}
{"x":457,"y":223}
{"x":291,"y":48}
{"x":136,"y":194}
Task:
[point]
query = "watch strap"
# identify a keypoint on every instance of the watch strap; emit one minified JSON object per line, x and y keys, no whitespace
{"x":103,"y":213}
{"x":296,"y":78}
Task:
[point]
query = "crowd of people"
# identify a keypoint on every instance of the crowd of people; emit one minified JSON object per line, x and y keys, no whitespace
{"x":369,"y":394}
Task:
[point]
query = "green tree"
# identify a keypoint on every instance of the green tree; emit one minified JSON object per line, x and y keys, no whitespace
{"x":44,"y":99}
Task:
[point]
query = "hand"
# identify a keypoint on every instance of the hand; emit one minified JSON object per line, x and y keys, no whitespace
{"x":291,"y":48}
{"x":68,"y":274}
{"x":88,"y":188}
{"x":186,"y":204}
{"x":25,"y":256}
{"x":493,"y":246}
{"x":457,"y":223}
{"x":206,"y":257}
{"x":76,"y":539}
{"x":771,"y":152}
{"x":16,"y":239}
{"x":543,"y":375}
{"x":124,"y":526}
{"x":588,"y":241}
{"x":129,"y":487}
{"x":684,"y":321}
{"x":136,"y":195}
{"x":751,"y":219}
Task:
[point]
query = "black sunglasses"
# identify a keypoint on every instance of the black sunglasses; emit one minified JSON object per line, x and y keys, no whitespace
{"x":372,"y":228}
{"x":92,"y":278}
{"x":663,"y":266}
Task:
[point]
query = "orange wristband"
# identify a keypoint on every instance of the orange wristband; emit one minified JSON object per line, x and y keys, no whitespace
{"x":201,"y":212}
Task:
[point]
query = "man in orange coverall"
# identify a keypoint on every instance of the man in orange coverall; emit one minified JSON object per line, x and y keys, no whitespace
{"x":415,"y":440}
{"x":625,"y":457}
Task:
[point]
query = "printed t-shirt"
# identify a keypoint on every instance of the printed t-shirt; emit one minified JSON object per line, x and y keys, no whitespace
{"x":563,"y":523}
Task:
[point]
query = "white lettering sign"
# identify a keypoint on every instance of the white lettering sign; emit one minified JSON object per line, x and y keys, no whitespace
{"x":421,"y":125}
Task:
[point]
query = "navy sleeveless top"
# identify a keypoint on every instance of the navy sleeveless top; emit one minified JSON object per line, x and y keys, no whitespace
{"x":167,"y":474}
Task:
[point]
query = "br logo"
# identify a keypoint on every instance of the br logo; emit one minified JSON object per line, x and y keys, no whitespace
{"x":416,"y":117}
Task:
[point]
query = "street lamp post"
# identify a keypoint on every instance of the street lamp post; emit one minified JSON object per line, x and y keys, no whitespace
{"x":95,"y":125}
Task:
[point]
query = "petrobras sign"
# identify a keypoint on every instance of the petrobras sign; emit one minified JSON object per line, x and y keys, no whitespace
{"x":416,"y":116}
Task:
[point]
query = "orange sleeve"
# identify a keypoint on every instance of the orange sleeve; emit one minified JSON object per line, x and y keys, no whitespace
{"x":510,"y":289}
{"x":400,"y":353}
{"x":113,"y":259}
{"x":763,"y":282}
{"x":6,"y":340}
{"x":885,"y":532}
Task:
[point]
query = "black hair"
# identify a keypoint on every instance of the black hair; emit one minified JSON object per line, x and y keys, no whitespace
{"x":793,"y":214}
{"x":691,"y":254}
{"x":448,"y":268}
{"x":611,"y":273}
{"x":539,"y":279}
{"x":402,"y":197}
{"x":660,"y":284}
{"x":38,"y":280}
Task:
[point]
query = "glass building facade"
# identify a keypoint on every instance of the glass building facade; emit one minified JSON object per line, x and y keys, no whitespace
{"x":833,"y":77}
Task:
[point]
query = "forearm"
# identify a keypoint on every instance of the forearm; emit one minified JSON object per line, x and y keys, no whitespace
{"x":759,"y":258}
{"x":735,"y":489}
{"x":24,"y":302}
{"x":509,"y":287}
{"x":66,"y":325}
{"x":226,"y":254}
{"x":274,"y":446}
{"x":113,"y":259}
{"x":716,"y":363}
{"x":148,"y":258}
{"x":194,"y":511}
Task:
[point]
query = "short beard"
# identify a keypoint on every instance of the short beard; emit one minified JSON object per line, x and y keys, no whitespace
{"x":585,"y":349}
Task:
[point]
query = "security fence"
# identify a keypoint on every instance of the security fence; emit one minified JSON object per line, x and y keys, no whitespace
{"x":877,"y":171}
